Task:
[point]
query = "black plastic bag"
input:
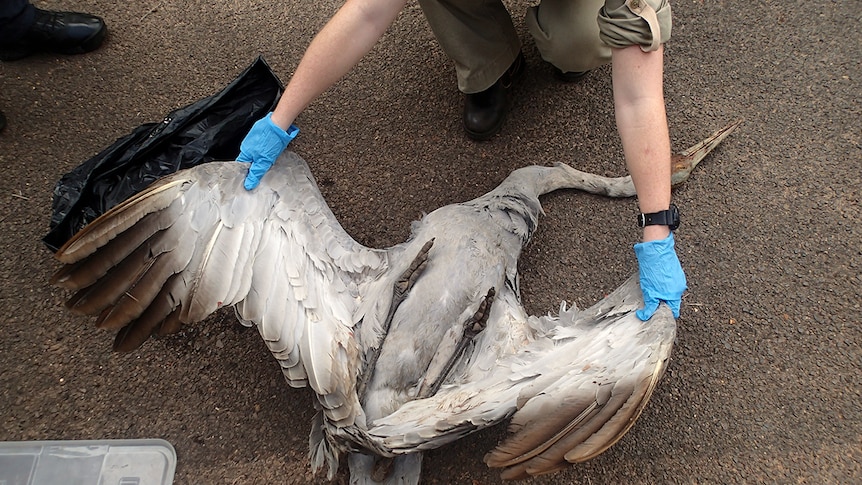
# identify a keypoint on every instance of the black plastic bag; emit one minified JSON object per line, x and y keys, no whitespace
{"x":206,"y":130}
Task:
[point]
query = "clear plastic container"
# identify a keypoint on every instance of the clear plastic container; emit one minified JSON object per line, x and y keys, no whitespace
{"x":90,"y":462}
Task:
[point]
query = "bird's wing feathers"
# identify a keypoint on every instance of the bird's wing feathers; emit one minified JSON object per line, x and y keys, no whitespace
{"x":572,"y":390}
{"x":572,"y":384}
{"x":196,"y":241}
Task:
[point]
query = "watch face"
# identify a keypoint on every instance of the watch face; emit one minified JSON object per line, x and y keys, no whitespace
{"x":673,"y":223}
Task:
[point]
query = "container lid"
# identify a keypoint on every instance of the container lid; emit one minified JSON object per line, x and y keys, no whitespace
{"x":87,"y":462}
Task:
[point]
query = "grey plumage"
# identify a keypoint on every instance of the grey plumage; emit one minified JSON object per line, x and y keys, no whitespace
{"x":329,"y":310}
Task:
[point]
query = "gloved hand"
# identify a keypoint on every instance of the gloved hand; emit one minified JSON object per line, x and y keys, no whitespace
{"x":661,"y":276}
{"x":261,"y":146}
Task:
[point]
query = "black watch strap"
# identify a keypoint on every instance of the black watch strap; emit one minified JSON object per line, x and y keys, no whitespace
{"x":669,"y":218}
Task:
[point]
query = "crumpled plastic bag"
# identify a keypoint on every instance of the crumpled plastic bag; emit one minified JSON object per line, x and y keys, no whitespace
{"x":206,"y":130}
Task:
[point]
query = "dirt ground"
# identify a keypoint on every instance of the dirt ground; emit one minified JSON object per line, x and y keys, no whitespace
{"x":764,"y":384}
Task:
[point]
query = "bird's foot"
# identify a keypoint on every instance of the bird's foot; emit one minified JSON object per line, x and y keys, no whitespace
{"x":473,"y":326}
{"x":399,"y":293}
{"x":409,"y":276}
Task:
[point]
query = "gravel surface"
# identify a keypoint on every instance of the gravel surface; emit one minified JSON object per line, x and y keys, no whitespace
{"x":764,"y":385}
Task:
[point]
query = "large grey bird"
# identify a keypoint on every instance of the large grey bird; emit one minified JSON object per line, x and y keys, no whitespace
{"x":406,"y":348}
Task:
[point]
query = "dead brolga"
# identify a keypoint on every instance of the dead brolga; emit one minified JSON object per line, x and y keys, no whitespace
{"x":406,"y":348}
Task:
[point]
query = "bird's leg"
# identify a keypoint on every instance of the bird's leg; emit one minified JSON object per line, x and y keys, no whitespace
{"x":472,"y":327}
{"x":399,"y":294}
{"x":383,"y":466}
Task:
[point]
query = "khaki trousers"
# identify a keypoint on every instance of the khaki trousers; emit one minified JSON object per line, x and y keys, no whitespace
{"x":479,"y":36}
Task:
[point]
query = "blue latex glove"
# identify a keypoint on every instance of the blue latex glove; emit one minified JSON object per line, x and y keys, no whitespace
{"x":661,"y":276}
{"x":261,"y":146}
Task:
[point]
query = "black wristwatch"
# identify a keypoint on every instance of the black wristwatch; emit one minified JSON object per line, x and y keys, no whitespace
{"x":669,"y":218}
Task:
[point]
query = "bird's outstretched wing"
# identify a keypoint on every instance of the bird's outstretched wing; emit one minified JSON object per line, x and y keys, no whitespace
{"x":573,"y":384}
{"x":197,"y":240}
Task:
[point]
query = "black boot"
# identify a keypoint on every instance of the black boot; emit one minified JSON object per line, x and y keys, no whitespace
{"x":2,"y":121}
{"x":57,"y":33}
{"x":485,"y":111}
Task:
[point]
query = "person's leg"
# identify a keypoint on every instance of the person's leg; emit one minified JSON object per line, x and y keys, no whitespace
{"x":566,"y":33}
{"x":478,"y":35}
{"x":26,"y":30}
{"x":16,"y":17}
{"x":578,"y":35}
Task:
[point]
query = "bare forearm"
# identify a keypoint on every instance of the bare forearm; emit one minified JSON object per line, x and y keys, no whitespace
{"x":642,"y":124}
{"x":343,"y":41}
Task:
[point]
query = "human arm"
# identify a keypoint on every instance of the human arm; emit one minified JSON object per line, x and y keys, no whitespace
{"x":343,"y":41}
{"x":642,"y":125}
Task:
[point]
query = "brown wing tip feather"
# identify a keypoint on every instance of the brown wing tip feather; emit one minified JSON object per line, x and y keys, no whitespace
{"x":105,"y":227}
{"x":133,"y":335}
{"x":585,"y":434}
